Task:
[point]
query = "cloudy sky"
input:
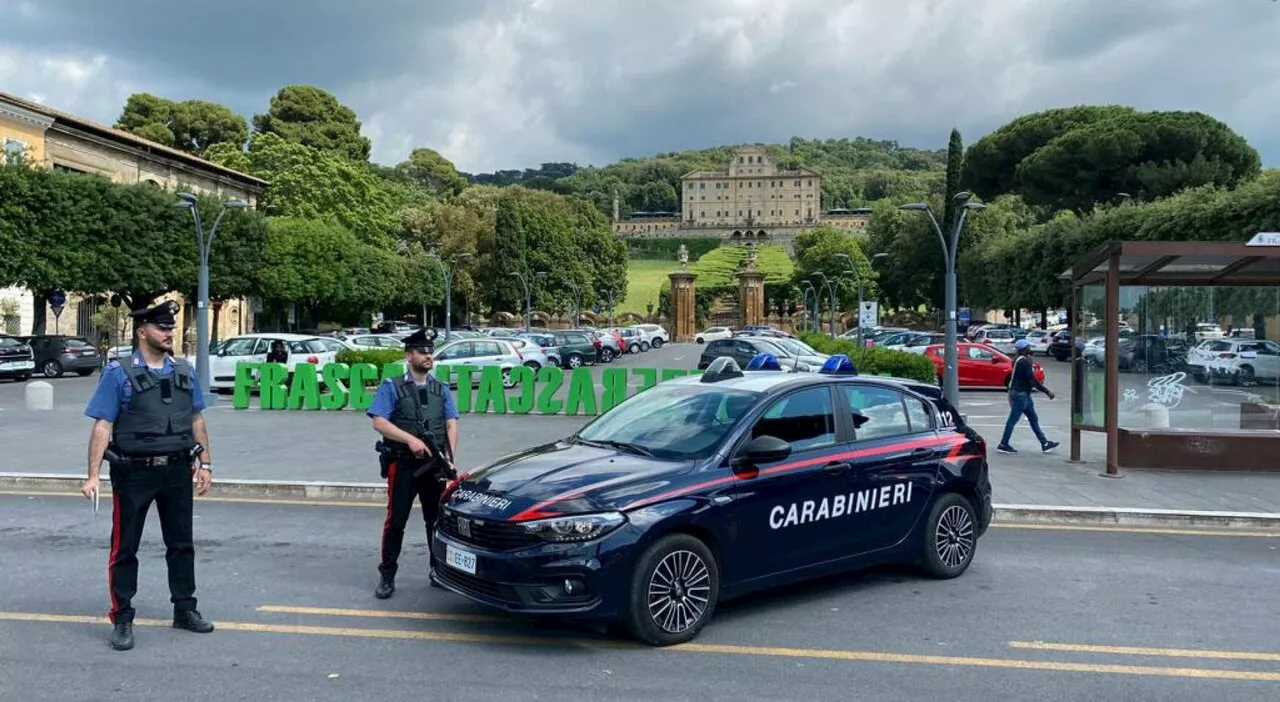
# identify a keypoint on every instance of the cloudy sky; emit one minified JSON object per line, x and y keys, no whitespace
{"x":513,"y":83}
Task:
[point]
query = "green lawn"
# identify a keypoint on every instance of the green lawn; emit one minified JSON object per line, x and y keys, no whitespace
{"x":645,"y":277}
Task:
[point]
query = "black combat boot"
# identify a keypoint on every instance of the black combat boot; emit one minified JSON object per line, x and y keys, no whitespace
{"x":192,"y":621}
{"x":385,"y":588}
{"x":122,"y":636}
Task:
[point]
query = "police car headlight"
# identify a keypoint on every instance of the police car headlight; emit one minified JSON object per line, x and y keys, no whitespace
{"x":579,"y":527}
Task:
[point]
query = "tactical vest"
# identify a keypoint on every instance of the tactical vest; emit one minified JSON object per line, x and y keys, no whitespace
{"x":419,"y":407}
{"x":158,"y":418}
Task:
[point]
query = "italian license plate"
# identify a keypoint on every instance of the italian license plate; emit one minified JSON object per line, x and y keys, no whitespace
{"x":17,"y":365}
{"x":462,"y":560}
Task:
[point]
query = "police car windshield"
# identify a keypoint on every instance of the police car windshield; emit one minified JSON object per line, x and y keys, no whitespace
{"x":674,"y":422}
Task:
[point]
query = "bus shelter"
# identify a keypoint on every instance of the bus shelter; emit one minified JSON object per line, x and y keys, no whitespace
{"x":1173,"y":354}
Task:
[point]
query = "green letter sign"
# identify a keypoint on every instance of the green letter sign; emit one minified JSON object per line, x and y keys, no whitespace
{"x":337,"y":386}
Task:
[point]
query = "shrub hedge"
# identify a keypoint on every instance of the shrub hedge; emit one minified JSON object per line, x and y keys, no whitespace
{"x":875,"y":361}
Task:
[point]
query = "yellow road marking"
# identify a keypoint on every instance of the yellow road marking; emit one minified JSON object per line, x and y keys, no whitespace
{"x":382,"y":614}
{"x":302,"y":502}
{"x":1168,"y":531}
{"x":369,"y":504}
{"x":1144,"y":651}
{"x":726,"y":649}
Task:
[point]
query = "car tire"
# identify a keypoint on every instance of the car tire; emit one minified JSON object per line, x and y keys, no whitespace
{"x":573,"y":360}
{"x":950,"y":537}
{"x":698,"y":340}
{"x":533,"y":366}
{"x":507,"y":381}
{"x":51,"y":369}
{"x":644,"y":346}
{"x":657,"y":343}
{"x":606,"y":355}
{"x":634,"y":348}
{"x":674,"y":591}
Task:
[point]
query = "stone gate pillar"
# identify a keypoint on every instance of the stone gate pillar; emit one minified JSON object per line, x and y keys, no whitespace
{"x":684,"y":311}
{"x":750,"y":298}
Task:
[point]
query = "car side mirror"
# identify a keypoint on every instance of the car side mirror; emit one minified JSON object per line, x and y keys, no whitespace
{"x":442,"y":356}
{"x":995,"y":359}
{"x":762,"y":449}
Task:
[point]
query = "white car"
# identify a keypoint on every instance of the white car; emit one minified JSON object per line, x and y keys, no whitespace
{"x":374,"y":341}
{"x":253,"y":348}
{"x":656,"y":335}
{"x":1239,"y":361}
{"x":1208,"y":331}
{"x":1039,"y":341}
{"x":712,"y":334}
{"x":481,"y":352}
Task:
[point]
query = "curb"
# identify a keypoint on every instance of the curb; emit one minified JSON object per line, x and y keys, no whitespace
{"x":323,"y":491}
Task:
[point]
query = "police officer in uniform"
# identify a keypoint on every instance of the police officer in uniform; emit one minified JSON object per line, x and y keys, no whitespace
{"x":418,"y":422}
{"x":148,"y":425}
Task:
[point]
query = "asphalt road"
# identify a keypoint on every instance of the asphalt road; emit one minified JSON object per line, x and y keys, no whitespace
{"x":1175,"y":616}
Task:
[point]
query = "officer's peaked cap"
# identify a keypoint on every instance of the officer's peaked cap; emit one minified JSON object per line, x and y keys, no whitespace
{"x":421,"y":339}
{"x":162,"y":315}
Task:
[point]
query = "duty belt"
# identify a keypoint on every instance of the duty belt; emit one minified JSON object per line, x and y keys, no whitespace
{"x":165,"y":460}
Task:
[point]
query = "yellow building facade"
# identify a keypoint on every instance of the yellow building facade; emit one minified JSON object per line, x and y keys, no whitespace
{"x":43,"y":137}
{"x":751,"y":200}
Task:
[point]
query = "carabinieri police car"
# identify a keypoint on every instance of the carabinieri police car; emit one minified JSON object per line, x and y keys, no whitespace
{"x":708,"y":487}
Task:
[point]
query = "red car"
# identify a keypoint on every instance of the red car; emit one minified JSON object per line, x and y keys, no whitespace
{"x":979,"y":366}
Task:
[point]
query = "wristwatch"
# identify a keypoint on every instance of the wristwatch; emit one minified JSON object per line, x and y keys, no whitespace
{"x":206,"y":466}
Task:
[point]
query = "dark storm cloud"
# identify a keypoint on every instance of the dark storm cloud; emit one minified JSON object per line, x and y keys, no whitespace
{"x":255,"y":45}
{"x":512,"y":83}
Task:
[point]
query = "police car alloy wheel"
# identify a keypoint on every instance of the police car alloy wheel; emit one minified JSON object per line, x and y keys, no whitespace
{"x":950,"y":537}
{"x":674,"y":591}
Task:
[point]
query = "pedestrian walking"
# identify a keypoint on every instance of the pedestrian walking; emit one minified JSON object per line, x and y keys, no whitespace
{"x":1021,"y":383}
{"x":148,"y":424}
{"x":418,"y":421}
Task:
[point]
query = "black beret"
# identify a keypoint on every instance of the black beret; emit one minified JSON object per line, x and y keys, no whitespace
{"x":162,"y":315}
{"x":421,"y":340}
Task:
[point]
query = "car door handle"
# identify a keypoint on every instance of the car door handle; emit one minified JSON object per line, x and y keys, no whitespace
{"x":836,"y":467}
{"x":922,"y":452}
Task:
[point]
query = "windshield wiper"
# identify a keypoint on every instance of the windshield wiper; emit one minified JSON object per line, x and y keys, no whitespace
{"x":623,"y":445}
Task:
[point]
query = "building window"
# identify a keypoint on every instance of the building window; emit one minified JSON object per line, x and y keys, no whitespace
{"x":702,"y":186}
{"x":14,"y":151}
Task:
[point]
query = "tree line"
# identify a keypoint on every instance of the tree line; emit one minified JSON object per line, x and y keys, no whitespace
{"x":335,"y":235}
{"x":1057,"y":183}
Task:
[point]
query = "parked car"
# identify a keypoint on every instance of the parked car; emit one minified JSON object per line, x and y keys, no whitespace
{"x":978,"y":365}
{"x":56,"y":354}
{"x":712,"y":334}
{"x":656,"y":335}
{"x":17,"y":360}
{"x":744,"y":348}
{"x":1039,"y":340}
{"x":577,"y":346}
{"x":253,"y":348}
{"x":492,"y":351}
{"x":1239,"y":361}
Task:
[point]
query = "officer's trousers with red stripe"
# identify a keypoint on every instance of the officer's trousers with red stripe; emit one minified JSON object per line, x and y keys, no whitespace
{"x":402,"y":488}
{"x":133,"y":489}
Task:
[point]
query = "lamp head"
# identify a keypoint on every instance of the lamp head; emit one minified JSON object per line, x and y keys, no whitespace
{"x":914,"y":206}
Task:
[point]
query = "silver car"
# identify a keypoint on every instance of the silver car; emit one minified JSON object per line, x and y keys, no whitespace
{"x":481,"y":352}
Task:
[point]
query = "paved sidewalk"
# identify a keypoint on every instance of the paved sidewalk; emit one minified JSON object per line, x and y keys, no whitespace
{"x":338,"y":447}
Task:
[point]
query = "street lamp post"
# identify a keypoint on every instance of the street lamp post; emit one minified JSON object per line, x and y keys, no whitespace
{"x":827,"y":285}
{"x":449,"y":274}
{"x":577,"y":306}
{"x":950,"y":377}
{"x":806,"y":288}
{"x":528,"y":298}
{"x":205,"y":244}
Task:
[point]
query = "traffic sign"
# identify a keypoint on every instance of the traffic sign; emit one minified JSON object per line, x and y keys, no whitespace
{"x":869,"y":315}
{"x":1265,"y":239}
{"x":58,"y":298}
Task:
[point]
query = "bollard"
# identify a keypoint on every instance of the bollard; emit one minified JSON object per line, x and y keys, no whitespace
{"x":1157,"y":416}
{"x":39,"y":395}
